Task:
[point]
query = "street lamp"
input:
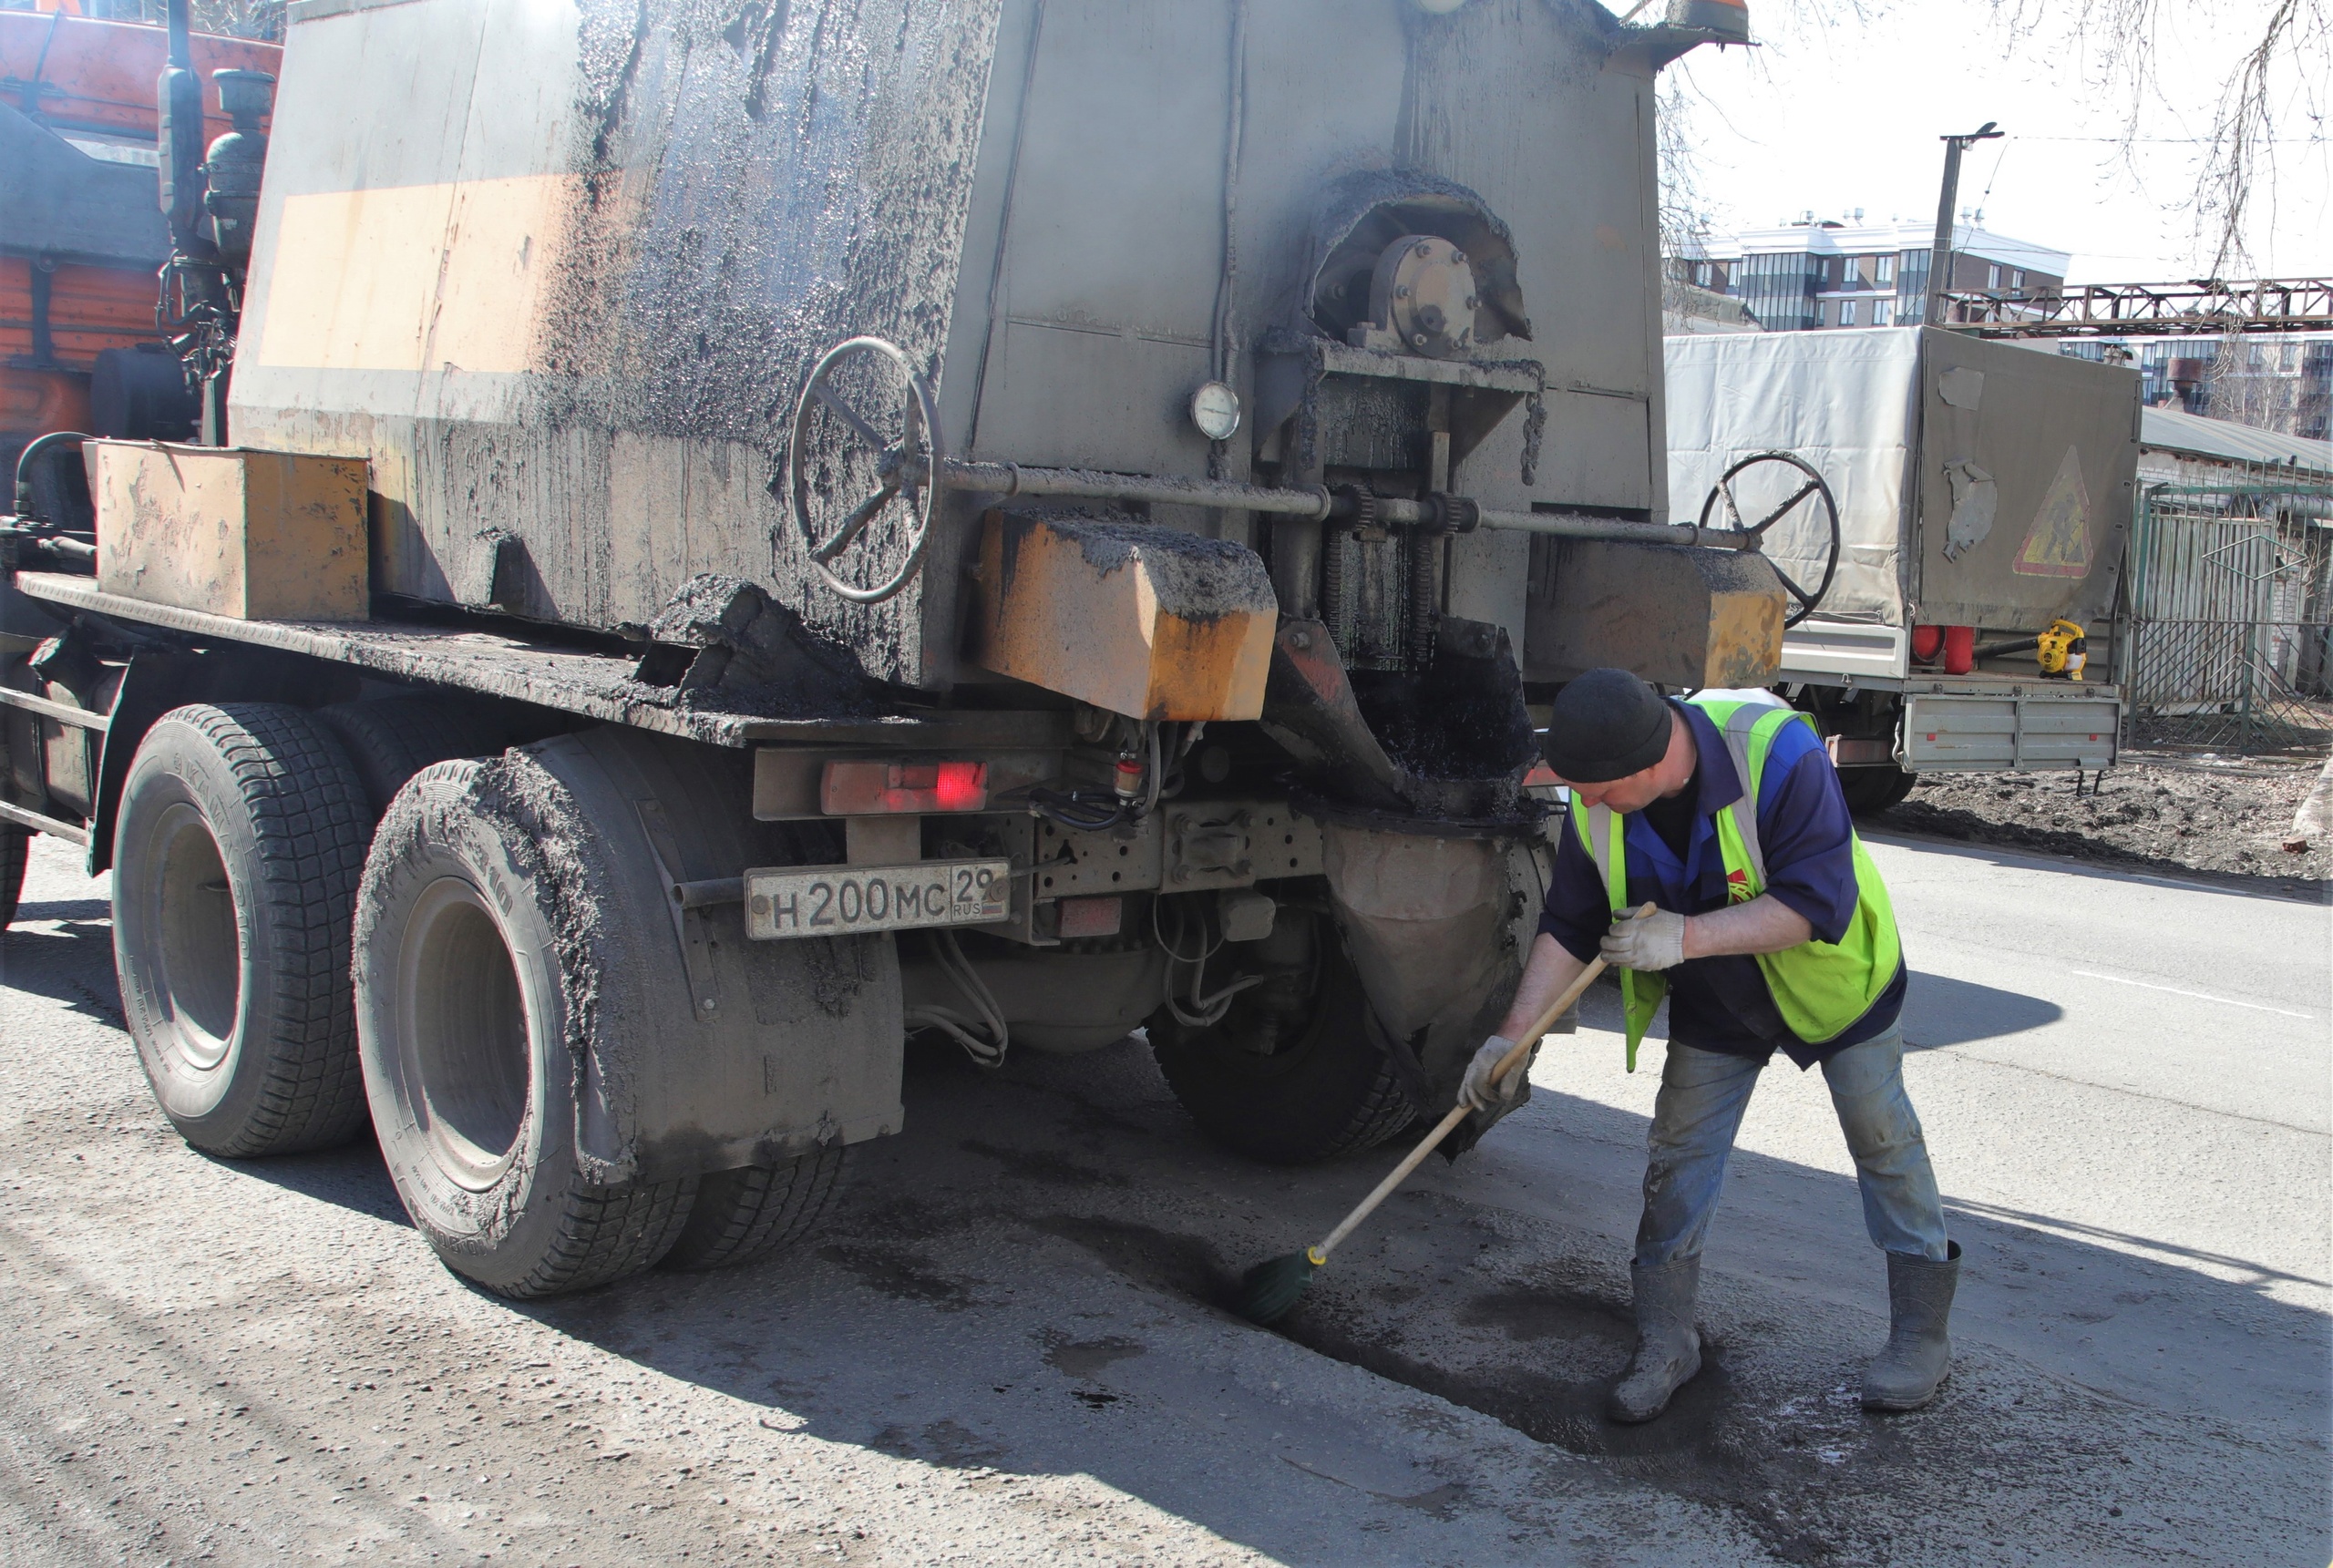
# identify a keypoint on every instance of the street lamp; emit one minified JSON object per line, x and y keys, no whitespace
{"x":1940,"y":254}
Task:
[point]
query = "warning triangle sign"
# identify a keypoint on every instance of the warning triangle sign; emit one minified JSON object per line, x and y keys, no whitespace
{"x":2058,"y":544}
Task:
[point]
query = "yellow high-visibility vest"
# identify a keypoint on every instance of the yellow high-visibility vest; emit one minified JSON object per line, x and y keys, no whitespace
{"x":1820,"y":989}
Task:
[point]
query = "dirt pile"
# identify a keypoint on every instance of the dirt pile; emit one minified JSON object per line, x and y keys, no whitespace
{"x":2193,"y":815}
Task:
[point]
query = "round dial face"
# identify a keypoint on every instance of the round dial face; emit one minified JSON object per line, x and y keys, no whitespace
{"x":1215,"y":409}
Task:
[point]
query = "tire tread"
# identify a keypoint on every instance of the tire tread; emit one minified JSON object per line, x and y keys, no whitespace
{"x":1384,"y":1110}
{"x":16,"y":850}
{"x":758,"y":1211}
{"x":393,"y":738}
{"x":606,"y":1233}
{"x":311,"y":828}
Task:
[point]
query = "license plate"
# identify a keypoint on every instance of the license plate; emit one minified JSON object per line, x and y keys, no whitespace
{"x":844,"y":900}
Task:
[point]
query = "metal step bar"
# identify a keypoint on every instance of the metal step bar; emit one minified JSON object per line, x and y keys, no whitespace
{"x":72,"y":832}
{"x":62,"y":713}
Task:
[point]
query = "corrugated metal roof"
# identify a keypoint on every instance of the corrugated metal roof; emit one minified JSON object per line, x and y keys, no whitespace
{"x":2192,"y":435}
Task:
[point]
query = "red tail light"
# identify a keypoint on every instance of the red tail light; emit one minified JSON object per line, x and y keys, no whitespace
{"x":874,"y":788}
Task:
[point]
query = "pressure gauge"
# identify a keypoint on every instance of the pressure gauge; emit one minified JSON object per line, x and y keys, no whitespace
{"x":1215,"y":409}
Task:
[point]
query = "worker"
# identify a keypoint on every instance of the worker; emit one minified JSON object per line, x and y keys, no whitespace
{"x":1772,"y":929}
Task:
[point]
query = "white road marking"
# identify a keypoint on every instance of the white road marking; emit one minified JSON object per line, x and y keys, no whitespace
{"x":2199,"y":995}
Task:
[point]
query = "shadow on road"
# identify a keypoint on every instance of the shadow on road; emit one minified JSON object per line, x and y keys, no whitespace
{"x":1030,"y":1279}
{"x":353,"y":1178}
{"x":1940,"y":1010}
{"x":1020,"y":1279}
{"x":76,"y":909}
{"x":71,"y":961}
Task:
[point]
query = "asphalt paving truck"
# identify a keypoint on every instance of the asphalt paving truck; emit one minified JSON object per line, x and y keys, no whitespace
{"x":726,"y":534}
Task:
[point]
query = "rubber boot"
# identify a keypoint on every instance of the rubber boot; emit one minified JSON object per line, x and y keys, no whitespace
{"x":1907,"y":1374}
{"x":1668,"y":1347}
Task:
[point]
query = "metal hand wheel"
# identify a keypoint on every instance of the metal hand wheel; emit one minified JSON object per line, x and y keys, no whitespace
{"x":896,"y":450}
{"x":1765,"y":477}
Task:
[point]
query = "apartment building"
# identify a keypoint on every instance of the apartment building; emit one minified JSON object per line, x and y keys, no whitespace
{"x":2276,"y":382}
{"x":1819,"y":273}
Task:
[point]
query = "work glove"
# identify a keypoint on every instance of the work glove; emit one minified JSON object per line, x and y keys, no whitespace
{"x":1654,"y":941}
{"x":1477,"y":1092}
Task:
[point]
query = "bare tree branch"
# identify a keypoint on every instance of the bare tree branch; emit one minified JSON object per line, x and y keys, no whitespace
{"x":2243,"y":129}
{"x":2284,"y":77}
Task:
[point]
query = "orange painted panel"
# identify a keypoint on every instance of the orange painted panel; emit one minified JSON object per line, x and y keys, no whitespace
{"x":259,"y":535}
{"x":89,"y":308}
{"x":100,"y":75}
{"x":35,"y":401}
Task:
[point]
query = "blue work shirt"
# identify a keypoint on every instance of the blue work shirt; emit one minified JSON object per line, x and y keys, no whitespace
{"x":1722,"y":1003}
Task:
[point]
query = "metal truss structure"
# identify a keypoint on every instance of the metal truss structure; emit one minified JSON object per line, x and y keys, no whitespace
{"x":2200,"y":306}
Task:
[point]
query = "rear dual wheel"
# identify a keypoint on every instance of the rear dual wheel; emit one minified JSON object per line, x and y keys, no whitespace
{"x":241,"y":866}
{"x":465,"y":942}
{"x":1289,"y":1074}
{"x":483,"y":929}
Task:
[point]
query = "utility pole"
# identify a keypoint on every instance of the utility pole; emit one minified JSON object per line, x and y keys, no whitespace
{"x":1940,"y":254}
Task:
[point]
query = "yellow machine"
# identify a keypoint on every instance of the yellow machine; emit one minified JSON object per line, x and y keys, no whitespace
{"x":2061,"y":650}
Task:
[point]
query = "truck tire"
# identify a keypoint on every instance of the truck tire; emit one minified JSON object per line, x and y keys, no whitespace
{"x":1871,"y":790}
{"x":395,"y":738}
{"x":1329,"y":1092}
{"x":475,"y":955}
{"x":744,"y":1215}
{"x":239,"y":842}
{"x":16,"y":848}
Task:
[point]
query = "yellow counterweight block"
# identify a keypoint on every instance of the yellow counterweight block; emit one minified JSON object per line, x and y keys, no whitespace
{"x":1137,"y":617}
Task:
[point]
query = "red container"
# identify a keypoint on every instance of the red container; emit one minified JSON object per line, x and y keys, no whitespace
{"x":1959,"y":650}
{"x":1927,"y":641}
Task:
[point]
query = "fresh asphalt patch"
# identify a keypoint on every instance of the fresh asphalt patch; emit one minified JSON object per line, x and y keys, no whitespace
{"x":1479,"y":1308}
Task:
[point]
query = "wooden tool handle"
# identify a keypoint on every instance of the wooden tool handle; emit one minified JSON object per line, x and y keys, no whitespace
{"x":1459,"y":1113}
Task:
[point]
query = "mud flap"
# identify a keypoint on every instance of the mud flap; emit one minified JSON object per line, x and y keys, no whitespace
{"x":801,"y":1043}
{"x":1426,"y":922}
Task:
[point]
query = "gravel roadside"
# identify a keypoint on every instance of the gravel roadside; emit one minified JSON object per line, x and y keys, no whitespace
{"x":2224,"y":818}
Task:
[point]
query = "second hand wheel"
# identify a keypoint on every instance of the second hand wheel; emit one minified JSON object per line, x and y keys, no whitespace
{"x":1764,"y":474}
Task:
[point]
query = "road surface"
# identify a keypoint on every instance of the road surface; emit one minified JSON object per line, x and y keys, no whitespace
{"x":1009,"y":1349}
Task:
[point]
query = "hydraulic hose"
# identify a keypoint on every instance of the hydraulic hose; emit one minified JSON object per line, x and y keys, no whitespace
{"x":35,"y":449}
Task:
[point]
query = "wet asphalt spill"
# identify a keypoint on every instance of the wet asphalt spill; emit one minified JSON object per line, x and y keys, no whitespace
{"x":1500,"y":1317}
{"x":1707,"y":1446}
{"x":1565,"y":1413}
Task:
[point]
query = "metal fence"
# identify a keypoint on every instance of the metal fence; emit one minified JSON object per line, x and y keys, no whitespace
{"x":2229,"y":641}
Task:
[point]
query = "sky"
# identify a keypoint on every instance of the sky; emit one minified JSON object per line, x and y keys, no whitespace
{"x":1842,"y":105}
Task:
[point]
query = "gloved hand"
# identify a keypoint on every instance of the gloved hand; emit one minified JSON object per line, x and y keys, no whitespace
{"x":1655,"y":941}
{"x":1476,"y":1091}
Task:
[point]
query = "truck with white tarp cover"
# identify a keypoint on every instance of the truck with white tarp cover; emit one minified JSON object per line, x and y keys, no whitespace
{"x":1969,"y":501}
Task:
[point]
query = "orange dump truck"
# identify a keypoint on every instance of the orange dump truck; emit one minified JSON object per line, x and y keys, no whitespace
{"x":82,"y":233}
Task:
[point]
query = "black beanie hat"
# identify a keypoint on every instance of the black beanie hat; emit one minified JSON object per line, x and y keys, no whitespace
{"x":1606,"y":725}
